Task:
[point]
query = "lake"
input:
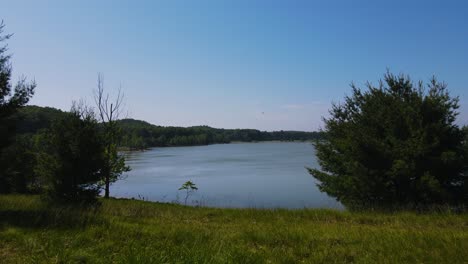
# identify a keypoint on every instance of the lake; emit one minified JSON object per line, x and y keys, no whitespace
{"x":245,"y":175}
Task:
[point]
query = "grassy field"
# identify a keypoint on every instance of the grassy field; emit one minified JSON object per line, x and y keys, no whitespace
{"x":129,"y":231}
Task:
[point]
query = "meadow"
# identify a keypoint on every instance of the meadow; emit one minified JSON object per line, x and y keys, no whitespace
{"x":133,"y":231}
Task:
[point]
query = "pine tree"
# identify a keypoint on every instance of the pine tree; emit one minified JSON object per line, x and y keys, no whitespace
{"x":10,"y":102}
{"x":394,"y":145}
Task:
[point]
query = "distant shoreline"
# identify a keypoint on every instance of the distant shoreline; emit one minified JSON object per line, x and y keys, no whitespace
{"x":126,"y":150}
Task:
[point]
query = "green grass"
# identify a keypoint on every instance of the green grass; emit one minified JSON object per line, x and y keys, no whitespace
{"x":129,"y":231}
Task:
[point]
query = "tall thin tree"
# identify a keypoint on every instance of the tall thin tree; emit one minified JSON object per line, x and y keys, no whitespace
{"x":109,"y":111}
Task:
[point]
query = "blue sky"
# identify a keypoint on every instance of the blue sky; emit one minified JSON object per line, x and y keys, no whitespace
{"x":269,"y":65}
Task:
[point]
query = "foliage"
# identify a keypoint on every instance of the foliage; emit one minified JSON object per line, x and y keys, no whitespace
{"x":21,"y":160}
{"x":136,"y":134}
{"x":109,"y":112}
{"x":140,"y":135}
{"x":392,"y":145}
{"x":189,"y":188}
{"x":114,"y":165}
{"x":31,"y":119}
{"x":72,"y":158}
{"x":10,"y":102}
{"x":21,"y":155}
{"x":30,"y":126}
{"x":132,"y":231}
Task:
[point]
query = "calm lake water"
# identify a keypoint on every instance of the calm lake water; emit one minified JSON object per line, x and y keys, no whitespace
{"x":253,"y":175}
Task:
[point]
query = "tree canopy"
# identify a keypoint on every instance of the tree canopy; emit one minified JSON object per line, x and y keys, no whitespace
{"x":140,"y":134}
{"x":72,"y":159}
{"x":137,"y":134}
{"x":11,"y":99}
{"x":395,"y":144}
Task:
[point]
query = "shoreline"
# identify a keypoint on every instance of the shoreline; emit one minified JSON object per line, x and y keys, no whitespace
{"x":125,"y":149}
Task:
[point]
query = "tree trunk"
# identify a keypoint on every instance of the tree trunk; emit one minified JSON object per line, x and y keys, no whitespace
{"x":108,"y":172}
{"x":106,"y":192}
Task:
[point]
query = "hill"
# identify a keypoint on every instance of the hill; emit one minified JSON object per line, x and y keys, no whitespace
{"x":141,"y":134}
{"x":31,"y":119}
{"x":138,"y":134}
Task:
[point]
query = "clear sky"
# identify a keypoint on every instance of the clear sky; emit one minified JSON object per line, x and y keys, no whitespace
{"x":269,"y":65}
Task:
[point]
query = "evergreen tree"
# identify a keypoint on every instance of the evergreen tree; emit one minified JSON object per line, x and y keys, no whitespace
{"x":394,"y":145}
{"x":10,"y":102}
{"x":73,"y":158}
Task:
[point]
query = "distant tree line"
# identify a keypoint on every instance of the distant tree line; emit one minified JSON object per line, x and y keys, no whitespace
{"x":137,"y":135}
{"x":140,"y":134}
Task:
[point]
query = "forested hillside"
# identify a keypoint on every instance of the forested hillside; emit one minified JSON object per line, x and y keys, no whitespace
{"x":31,"y":119}
{"x":137,"y":134}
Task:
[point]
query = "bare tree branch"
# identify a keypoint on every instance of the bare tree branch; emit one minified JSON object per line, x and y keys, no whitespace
{"x":109,"y":109}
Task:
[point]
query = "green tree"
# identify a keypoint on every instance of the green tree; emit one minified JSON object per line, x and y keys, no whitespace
{"x":10,"y":102}
{"x":393,"y":145}
{"x":109,"y":112}
{"x":21,"y":158}
{"x":189,"y":187}
{"x":72,"y":159}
